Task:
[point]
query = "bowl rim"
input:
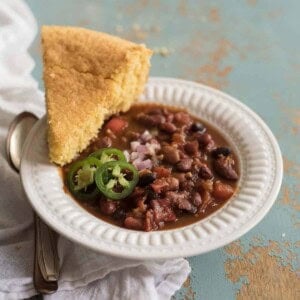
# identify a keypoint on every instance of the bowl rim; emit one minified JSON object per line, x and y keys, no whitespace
{"x":238,"y":232}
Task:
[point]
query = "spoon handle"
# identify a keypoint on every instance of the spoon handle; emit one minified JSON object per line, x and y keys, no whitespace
{"x":46,"y":250}
{"x":46,"y":260}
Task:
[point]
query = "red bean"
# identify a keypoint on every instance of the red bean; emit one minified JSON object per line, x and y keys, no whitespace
{"x":171,"y":154}
{"x":134,"y":223}
{"x":151,"y":120}
{"x":205,"y":172}
{"x":191,"y":147}
{"x":184,"y":165}
{"x":182,"y":118}
{"x":108,"y":207}
{"x":224,"y":167}
{"x":168,"y":127}
{"x":196,"y":199}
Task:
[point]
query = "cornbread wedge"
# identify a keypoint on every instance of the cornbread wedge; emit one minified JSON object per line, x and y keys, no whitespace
{"x":88,"y":77}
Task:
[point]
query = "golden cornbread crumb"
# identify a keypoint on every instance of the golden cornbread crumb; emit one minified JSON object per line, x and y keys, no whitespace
{"x":88,"y":77}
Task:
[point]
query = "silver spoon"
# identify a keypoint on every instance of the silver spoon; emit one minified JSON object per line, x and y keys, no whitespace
{"x":46,"y":261}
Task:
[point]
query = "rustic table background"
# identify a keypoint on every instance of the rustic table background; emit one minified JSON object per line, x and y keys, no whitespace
{"x":249,"y":49}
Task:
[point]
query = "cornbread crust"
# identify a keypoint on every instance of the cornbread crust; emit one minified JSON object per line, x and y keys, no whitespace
{"x":88,"y":77}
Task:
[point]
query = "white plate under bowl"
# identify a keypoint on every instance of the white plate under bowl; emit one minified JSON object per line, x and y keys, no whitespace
{"x":261,"y":175}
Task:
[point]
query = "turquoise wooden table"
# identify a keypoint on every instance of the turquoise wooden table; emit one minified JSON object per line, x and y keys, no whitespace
{"x":249,"y":49}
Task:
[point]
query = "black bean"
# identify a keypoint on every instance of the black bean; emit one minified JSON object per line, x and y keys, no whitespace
{"x":119,"y":214}
{"x":220,"y":151}
{"x":198,"y":127}
{"x":146,"y":179}
{"x":151,"y":195}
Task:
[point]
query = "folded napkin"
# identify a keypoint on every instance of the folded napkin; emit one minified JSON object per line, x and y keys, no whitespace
{"x":84,"y":274}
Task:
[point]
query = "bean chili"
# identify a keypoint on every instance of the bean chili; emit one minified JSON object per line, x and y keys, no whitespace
{"x":186,"y":170}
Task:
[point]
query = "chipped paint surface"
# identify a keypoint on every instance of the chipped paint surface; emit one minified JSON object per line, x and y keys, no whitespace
{"x":263,"y":272}
{"x":189,"y":294}
{"x":249,"y":49}
{"x":213,"y":73}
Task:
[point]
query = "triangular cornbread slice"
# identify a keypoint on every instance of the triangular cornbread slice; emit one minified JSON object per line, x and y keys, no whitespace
{"x":88,"y":77}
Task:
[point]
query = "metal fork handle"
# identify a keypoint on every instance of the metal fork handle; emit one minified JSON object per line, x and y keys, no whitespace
{"x":46,"y":261}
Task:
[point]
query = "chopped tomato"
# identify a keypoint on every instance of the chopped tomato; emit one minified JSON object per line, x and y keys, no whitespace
{"x":222,"y":191}
{"x":116,"y":125}
{"x":161,"y":171}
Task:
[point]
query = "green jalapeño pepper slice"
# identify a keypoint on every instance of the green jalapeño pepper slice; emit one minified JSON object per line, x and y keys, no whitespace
{"x":80,"y":178}
{"x":116,"y":179}
{"x":109,"y":154}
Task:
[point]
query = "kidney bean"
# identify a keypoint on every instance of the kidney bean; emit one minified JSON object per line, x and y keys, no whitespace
{"x":205,"y":172}
{"x":203,"y":138}
{"x":191,"y":147}
{"x":181,"y":201}
{"x":151,"y":120}
{"x":134,"y":223}
{"x":171,"y":154}
{"x":182,"y":118}
{"x":168,"y":127}
{"x":108,"y":207}
{"x":224,"y":167}
{"x":184,"y":165}
{"x":196,"y":199}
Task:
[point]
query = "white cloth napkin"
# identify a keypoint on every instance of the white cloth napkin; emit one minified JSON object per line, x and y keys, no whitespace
{"x":84,"y":274}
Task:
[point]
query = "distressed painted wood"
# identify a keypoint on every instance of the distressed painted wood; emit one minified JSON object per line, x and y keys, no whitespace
{"x":250,"y":49}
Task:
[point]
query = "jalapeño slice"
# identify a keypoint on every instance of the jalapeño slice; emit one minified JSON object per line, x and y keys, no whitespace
{"x":116,"y":179}
{"x":109,"y":154}
{"x":80,"y":178}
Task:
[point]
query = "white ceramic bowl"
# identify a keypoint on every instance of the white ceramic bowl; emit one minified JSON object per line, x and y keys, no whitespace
{"x":261,"y":175}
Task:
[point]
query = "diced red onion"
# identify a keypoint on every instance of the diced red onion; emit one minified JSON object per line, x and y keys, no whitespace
{"x":152,"y":148}
{"x":146,"y":136}
{"x":137,"y":155}
{"x":141,"y":165}
{"x":142,"y":149}
{"x":134,"y":145}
